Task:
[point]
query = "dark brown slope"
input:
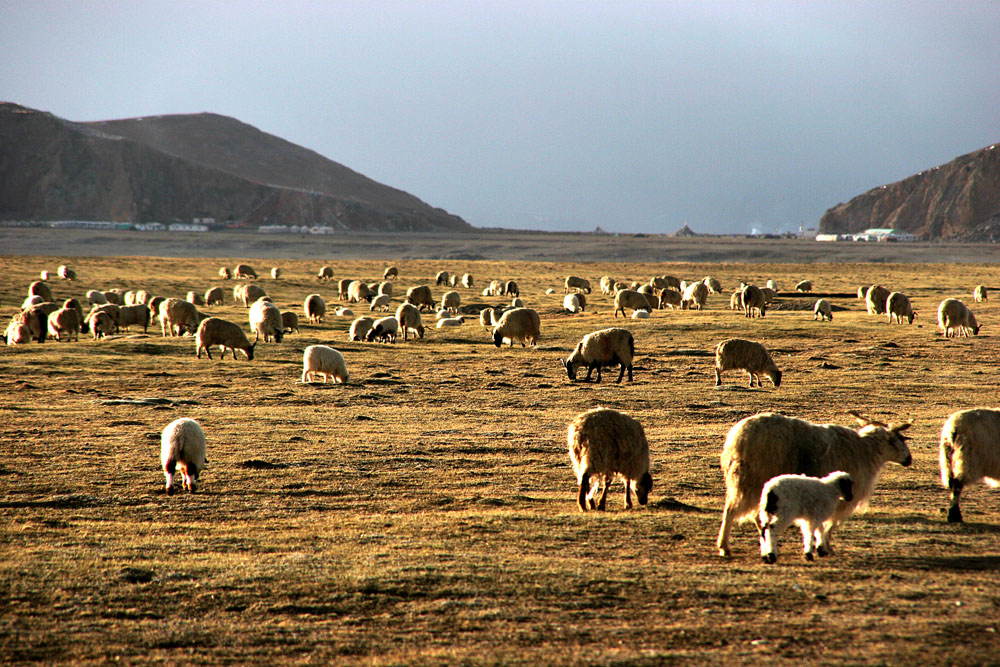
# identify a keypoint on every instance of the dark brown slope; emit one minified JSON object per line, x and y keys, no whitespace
{"x":170,"y":168}
{"x":958,"y":201}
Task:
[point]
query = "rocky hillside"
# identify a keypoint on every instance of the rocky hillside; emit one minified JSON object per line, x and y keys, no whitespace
{"x":177,"y":168}
{"x":958,"y":201}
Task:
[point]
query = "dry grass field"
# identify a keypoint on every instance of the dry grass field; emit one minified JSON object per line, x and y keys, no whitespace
{"x":425,"y":512}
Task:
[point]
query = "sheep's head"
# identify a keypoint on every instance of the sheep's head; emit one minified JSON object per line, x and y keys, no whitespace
{"x":497,"y":338}
{"x":973,"y":324}
{"x":898,"y":451}
{"x":844,"y":482}
{"x":775,"y":376}
{"x":643,"y":487}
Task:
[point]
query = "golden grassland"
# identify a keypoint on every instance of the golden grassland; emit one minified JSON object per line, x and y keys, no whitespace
{"x":425,"y":512}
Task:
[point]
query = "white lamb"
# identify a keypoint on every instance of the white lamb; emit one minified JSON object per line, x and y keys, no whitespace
{"x":809,"y":503}
{"x":450,"y":322}
{"x":326,"y":361}
{"x":182,"y":444}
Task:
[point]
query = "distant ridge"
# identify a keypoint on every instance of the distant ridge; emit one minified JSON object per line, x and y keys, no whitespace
{"x":181,"y":167}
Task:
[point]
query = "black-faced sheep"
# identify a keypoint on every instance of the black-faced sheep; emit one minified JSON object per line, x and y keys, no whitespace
{"x":182,"y":445}
{"x":604,"y":443}
{"x":955,"y":319}
{"x":747,"y":355}
{"x":766,"y":445}
{"x":519,"y":325}
{"x":970,"y":453}
{"x":809,"y":503}
{"x":324,"y":360}
{"x":607,"y":347}
{"x":383,"y":330}
{"x":225,"y":334}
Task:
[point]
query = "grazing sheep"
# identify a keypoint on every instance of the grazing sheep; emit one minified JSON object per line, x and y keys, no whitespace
{"x":970,"y":453}
{"x":673,"y":282}
{"x":265,"y":320}
{"x":604,"y":443}
{"x":518,"y":325}
{"x":96,"y":298}
{"x":115,"y":296}
{"x":627,"y":298}
{"x":30,"y":324}
{"x":409,"y":319}
{"x":979,"y":294}
{"x":752,"y":301}
{"x":325,"y":273}
{"x":326,"y":361}
{"x":215,"y":297}
{"x":192,"y":296}
{"x":735,"y":300}
{"x":314,"y":308}
{"x":640,"y":314}
{"x":381,"y":302}
{"x":66,"y":273}
{"x":862,"y":291}
{"x":358,"y":291}
{"x":138,"y":314}
{"x":344,"y":312}
{"x":101,"y":324}
{"x":517,"y":302}
{"x":245,"y":271}
{"x":390,"y":273}
{"x":225,"y":273}
{"x":343,"y":287}
{"x":64,"y":322}
{"x":511,"y":288}
{"x":442,"y":278}
{"x":607,"y":347}
{"x":747,"y":355}
{"x":113,"y":311}
{"x":763,"y":446}
{"x":289,"y":322}
{"x":275,"y":273}
{"x":17,"y":332}
{"x":809,"y":503}
{"x":176,"y":316}
{"x":656,"y":282}
{"x":183,"y":445}
{"x":467,"y":280}
{"x":144,"y":297}
{"x":44,"y":275}
{"x":487,"y":317}
{"x":31,"y":302}
{"x":454,"y":280}
{"x":383,"y":330}
{"x":772,"y":285}
{"x":898,"y":305}
{"x":823,"y":311}
{"x":75,"y":305}
{"x":578,"y":284}
{"x":40,"y":288}
{"x":360,"y":328}
{"x":450,"y":322}
{"x":620,"y":285}
{"x":130,"y":298}
{"x":875,"y":298}
{"x":451,"y":301}
{"x":225,"y":334}
{"x":647,"y":291}
{"x":695,"y":294}
{"x":495,"y":288}
{"x":421,"y":297}
{"x":804,"y":286}
{"x":712,"y":284}
{"x":607,"y":284}
{"x":385,"y":288}
{"x":247,"y":294}
{"x":669,"y":297}
{"x":154,"y":306}
{"x":571,"y":303}
{"x":955,"y":318}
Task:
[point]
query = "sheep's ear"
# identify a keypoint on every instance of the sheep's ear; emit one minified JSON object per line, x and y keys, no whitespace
{"x":897,"y":428}
{"x":861,"y":420}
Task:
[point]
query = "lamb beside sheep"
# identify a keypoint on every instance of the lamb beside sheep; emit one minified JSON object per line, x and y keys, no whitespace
{"x":518,"y":325}
{"x":807,"y":502}
{"x":603,"y":444}
{"x":766,"y":445}
{"x":607,"y":347}
{"x":897,"y":305}
{"x":182,"y":444}
{"x":326,"y":361}
{"x":823,"y":311}
{"x":955,"y":319}
{"x":969,"y":453}
{"x":225,"y":334}
{"x":747,"y":355}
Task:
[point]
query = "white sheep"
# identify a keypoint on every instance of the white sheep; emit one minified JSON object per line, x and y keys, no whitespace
{"x":713,"y":285}
{"x":441,"y":278}
{"x":138,"y":314}
{"x":275,"y":272}
{"x":358,"y":291}
{"x":970,"y":453}
{"x":875,"y":298}
{"x":518,"y":325}
{"x":381,"y":302}
{"x":571,"y":303}
{"x":640,"y":314}
{"x":265,"y":320}
{"x":40,"y":288}
{"x":101,"y":324}
{"x":344,"y":286}
{"x":44,"y":275}
{"x":176,"y":316}
{"x":314,"y":308}
{"x":408,"y":316}
{"x":66,"y":273}
{"x":897,"y":305}
{"x":804,"y":286}
{"x":421,"y":297}
{"x":450,"y":322}
{"x":225,"y":334}
{"x":225,"y":273}
{"x":766,"y":445}
{"x":245,"y":271}
{"x":822,"y":310}
{"x":360,"y":328}
{"x":325,"y":273}
{"x":344,"y":312}
{"x":64,"y":322}
{"x":467,"y":280}
{"x":628,"y":298}
{"x":385,"y":287}
{"x":670,"y":297}
{"x":607,"y":284}
{"x":752,"y":301}
{"x":979,"y":294}
{"x":31,"y":302}
{"x":215,"y":296}
{"x":384,"y":329}
{"x":771,"y":284}
{"x":17,"y":332}
{"x":248,"y":294}
{"x":487,"y":317}
{"x":599,"y":349}
{"x":451,"y":301}
{"x":747,"y":355}
{"x":96,"y":298}
{"x":182,"y":445}
{"x":326,"y":361}
{"x":955,"y":318}
{"x":695,"y":294}
{"x":603,"y":444}
{"x":735,"y":300}
{"x":578,"y":284}
{"x":809,"y":503}
{"x":194,"y":297}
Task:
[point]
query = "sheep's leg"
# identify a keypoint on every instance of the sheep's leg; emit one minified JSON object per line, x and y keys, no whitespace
{"x":621,"y":372}
{"x":581,"y":498}
{"x":718,"y":376}
{"x":822,"y":541}
{"x":597,"y":365}
{"x":628,"y":494}
{"x":751,"y":379}
{"x":726,"y":528}
{"x":602,"y":503}
{"x":807,"y":542}
{"x":954,"y":512}
{"x":168,"y":472}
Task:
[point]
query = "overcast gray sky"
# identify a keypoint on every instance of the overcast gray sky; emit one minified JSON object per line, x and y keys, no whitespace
{"x":635,"y":116}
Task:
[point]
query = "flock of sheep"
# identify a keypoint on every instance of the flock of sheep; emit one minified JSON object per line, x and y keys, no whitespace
{"x":778,"y":470}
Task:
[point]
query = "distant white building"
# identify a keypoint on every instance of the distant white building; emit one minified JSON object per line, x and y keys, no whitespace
{"x":149,"y":226}
{"x":884,"y":234}
{"x":184,"y":227}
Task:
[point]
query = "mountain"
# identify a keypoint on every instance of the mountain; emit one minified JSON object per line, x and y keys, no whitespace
{"x":177,"y":168}
{"x":957,"y":201}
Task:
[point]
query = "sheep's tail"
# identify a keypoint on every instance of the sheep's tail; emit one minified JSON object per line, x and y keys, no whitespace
{"x":944,"y":455}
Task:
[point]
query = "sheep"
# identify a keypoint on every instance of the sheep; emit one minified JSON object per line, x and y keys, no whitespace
{"x":808,"y":502}
{"x":130,"y":298}
{"x":735,"y":300}
{"x":656,"y":282}
{"x":496,"y":288}
{"x":177,"y":315}
{"x":979,"y":294}
{"x":248,"y":294}
{"x":31,"y":324}
{"x":620,"y":285}
{"x":517,"y":302}
{"x":511,"y":288}
{"x":673,"y":282}
{"x":215,"y":297}
{"x":183,"y":444}
{"x":804,"y":286}
{"x":955,"y":318}
{"x":139,"y":314}
{"x":640,"y":314}
{"x":669,"y":297}
{"x":450,"y":322}
{"x":467,"y":280}
{"x":771,"y":284}
{"x":225,"y":273}
{"x":385,"y":287}
{"x":862,"y":291}
{"x":578,"y":284}
{"x":746,"y":355}
{"x":712,"y":284}
{"x":607,"y":284}
{"x":40,"y":288}
{"x":453,"y":280}
{"x":970,"y":453}
{"x":441,"y":314}
{"x":265,"y":320}
{"x":441,"y":278}
{"x":314,"y":308}
{"x":604,"y":443}
{"x":113,"y":311}
{"x":227,"y":335}
{"x":358,"y":291}
{"x":898,"y":305}
{"x":875,"y":298}
{"x":599,"y":349}
{"x":381,"y":302}
{"x":115,"y":296}
{"x":451,"y":301}
{"x":31,"y":302}
{"x":325,"y":273}
{"x":763,"y":446}
{"x":101,"y":324}
{"x":192,"y":296}
{"x":487,"y":317}
{"x":66,"y":273}
{"x":344,"y":312}
{"x":360,"y":328}
{"x":645,"y":290}
{"x":289,"y":322}
{"x":326,"y":361}
{"x":390,"y":273}
{"x":384,"y":330}
{"x":96,"y":298}
{"x":17,"y":332}
{"x":627,"y":298}
{"x":409,"y":318}
{"x":65,"y":321}
{"x":694,"y":295}
{"x":44,"y":275}
{"x":571,"y":303}
{"x":517,"y":325}
{"x":275,"y":272}
{"x":752,"y":300}
{"x":154,"y":306}
{"x":823,"y":311}
{"x":420,"y":296}
{"x":245,"y":271}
